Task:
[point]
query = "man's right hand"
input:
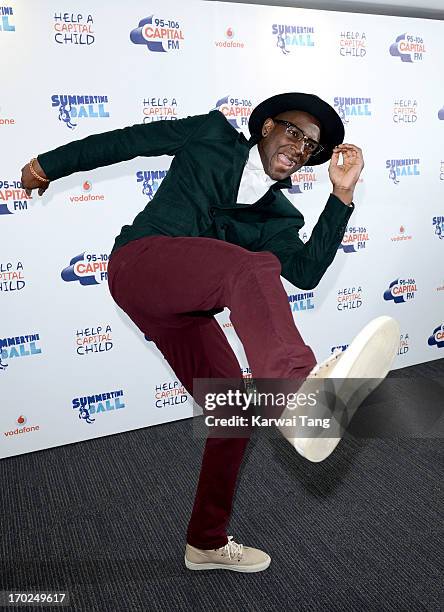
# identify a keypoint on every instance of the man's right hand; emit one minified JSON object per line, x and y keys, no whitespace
{"x":30,"y":182}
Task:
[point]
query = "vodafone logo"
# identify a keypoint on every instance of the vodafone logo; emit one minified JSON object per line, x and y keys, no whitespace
{"x":22,"y":428}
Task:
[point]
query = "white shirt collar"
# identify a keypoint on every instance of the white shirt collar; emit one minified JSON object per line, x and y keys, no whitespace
{"x":254,"y":163}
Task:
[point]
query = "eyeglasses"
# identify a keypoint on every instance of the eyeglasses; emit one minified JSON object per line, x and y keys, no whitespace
{"x":292,"y":130}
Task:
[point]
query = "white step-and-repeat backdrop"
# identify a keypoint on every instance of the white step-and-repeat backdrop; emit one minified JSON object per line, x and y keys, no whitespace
{"x":73,"y":366}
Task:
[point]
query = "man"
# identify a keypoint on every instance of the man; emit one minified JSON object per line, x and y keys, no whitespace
{"x":218,"y":233}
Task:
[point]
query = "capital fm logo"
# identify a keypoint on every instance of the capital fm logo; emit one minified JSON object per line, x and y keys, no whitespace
{"x":18,"y":346}
{"x":438,"y":224}
{"x":289,"y":37}
{"x":12,"y":276}
{"x":73,"y":29}
{"x":237,"y":111}
{"x":303,"y":180}
{"x":355,"y":239}
{"x":352,"y":44}
{"x":401,"y":290}
{"x":349,"y":107}
{"x":301,"y":301}
{"x":98,"y":404}
{"x":400,"y":168}
{"x":87,"y":268}
{"x":13,"y":197}
{"x":150,"y":182}
{"x":437,"y":337}
{"x":158,"y":109}
{"x":74,"y":108}
{"x":7,"y":19}
{"x":159,"y":35}
{"x":409,"y":47}
{"x":229,"y":40}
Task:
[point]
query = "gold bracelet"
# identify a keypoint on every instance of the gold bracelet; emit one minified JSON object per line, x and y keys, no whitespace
{"x":34,"y":173}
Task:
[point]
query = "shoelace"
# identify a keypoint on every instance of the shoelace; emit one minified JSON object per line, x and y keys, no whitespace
{"x":336,"y":354}
{"x":232,"y":548}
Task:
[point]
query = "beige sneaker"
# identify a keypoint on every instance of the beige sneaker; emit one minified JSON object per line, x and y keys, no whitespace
{"x":232,"y":556}
{"x":354,"y":374}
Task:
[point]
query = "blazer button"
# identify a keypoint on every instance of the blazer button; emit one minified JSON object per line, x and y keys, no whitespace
{"x":224,"y":226}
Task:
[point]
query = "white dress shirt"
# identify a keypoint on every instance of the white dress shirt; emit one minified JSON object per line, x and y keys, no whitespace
{"x":254,"y":182}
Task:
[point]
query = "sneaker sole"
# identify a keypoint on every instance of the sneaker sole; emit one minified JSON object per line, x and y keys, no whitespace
{"x":379,"y":338}
{"x":259,"y":567}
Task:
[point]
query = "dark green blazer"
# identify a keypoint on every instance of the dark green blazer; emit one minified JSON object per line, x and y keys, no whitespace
{"x":198,"y":195}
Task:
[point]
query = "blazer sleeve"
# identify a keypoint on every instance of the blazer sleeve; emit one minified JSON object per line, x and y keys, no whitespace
{"x":305,"y":264}
{"x":147,"y":139}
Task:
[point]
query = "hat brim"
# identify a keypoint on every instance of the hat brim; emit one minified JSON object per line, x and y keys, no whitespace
{"x":332,"y":128}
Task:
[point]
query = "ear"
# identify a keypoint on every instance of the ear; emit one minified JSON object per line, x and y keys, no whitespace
{"x":267,"y":126}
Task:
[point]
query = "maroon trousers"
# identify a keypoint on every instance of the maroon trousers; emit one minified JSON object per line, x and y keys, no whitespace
{"x":163,"y":283}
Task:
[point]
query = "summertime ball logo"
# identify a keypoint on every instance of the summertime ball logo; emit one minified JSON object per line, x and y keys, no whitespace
{"x":355,"y":239}
{"x":159,"y":35}
{"x":348,"y":107}
{"x":301,"y":301}
{"x":399,"y":168}
{"x":401,"y":290}
{"x":72,"y":108}
{"x":6,"y":19}
{"x":98,"y":404}
{"x":236,"y":110}
{"x":438,"y":224}
{"x":437,"y":337}
{"x":409,"y":47}
{"x":151,"y":180}
{"x":87,"y":268}
{"x":18,"y":346}
{"x":290,"y":36}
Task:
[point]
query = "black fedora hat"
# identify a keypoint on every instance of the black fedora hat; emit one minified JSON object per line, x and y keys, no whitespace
{"x":332,"y":128}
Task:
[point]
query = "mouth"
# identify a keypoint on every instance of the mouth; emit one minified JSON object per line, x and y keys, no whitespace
{"x":286,"y":160}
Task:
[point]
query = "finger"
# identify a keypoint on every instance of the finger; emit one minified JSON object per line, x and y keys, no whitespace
{"x":28,"y":192}
{"x":334,"y":158}
{"x":346,"y":146}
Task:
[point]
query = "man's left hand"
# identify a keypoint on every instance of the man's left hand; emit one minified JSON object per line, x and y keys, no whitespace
{"x":345,"y":176}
